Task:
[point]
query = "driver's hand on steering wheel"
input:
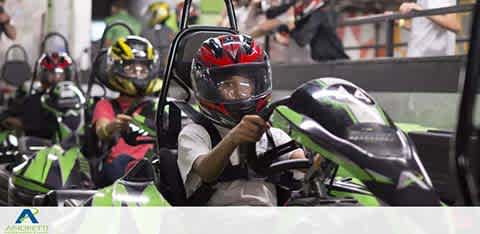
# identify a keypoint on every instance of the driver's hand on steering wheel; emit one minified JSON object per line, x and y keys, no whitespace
{"x":249,"y":130}
{"x":317,"y":161}
{"x":106,"y":129}
{"x":120,"y":123}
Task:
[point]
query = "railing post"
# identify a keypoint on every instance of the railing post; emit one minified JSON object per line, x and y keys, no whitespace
{"x":389,"y":39}
{"x":377,"y":40}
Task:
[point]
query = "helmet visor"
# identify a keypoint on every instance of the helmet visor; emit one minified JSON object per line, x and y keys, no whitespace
{"x":137,"y":70}
{"x":54,"y":76}
{"x":235,"y":83}
{"x":134,"y":70}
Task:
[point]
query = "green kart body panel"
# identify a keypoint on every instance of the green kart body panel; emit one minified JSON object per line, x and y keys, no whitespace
{"x":50,"y":168}
{"x":342,"y":123}
{"x":283,"y":117}
{"x":123,"y":193}
{"x":136,"y":188}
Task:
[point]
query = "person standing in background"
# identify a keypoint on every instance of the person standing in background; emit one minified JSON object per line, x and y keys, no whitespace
{"x":307,"y":24}
{"x":432,"y":35}
{"x":120,"y":14}
{"x":157,"y":31}
{"x":5,"y":23}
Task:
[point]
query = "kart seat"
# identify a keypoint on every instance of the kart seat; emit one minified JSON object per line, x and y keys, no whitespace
{"x":16,"y":71}
{"x":187,"y":45}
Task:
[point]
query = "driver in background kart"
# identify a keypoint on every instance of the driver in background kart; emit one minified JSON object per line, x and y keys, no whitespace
{"x":131,"y":65}
{"x":231,"y":78}
{"x":30,"y":116}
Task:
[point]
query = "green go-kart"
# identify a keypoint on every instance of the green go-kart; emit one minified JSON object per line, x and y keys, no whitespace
{"x":58,"y":162}
{"x":367,"y":159}
{"x":137,"y":187}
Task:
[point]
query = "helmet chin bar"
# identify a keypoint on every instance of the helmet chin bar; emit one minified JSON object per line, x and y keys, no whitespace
{"x":228,"y":115}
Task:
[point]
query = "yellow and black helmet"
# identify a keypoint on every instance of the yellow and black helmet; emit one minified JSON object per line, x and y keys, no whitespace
{"x":132,"y":67}
{"x":159,"y":13}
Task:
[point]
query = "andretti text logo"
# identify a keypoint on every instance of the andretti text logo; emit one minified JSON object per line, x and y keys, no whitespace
{"x":27,"y":223}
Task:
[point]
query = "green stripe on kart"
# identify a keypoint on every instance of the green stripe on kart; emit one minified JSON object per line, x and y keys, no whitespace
{"x":67,"y":162}
{"x":411,"y":127}
{"x":40,"y":164}
{"x":20,"y":182}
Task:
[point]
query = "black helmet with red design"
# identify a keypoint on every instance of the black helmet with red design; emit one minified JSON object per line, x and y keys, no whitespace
{"x":231,"y":77}
{"x":55,"y":67}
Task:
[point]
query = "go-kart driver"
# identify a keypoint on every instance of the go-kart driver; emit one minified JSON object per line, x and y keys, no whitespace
{"x":30,"y":116}
{"x":231,"y":78}
{"x":131,"y":63}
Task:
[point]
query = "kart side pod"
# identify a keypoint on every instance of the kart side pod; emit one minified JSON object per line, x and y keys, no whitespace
{"x":344,"y":124}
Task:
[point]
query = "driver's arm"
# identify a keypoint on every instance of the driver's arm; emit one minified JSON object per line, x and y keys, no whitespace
{"x":106,"y":129}
{"x":211,"y":165}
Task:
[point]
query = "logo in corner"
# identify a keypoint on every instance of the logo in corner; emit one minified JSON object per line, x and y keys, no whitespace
{"x":27,"y":214}
{"x":27,"y":223}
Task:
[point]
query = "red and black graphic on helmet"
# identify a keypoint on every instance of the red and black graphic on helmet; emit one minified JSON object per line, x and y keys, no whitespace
{"x":228,"y":50}
{"x":263,"y":102}
{"x":213,"y":106}
{"x":55,"y":60}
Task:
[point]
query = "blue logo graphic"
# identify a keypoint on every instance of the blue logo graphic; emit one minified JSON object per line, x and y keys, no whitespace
{"x":27,"y":214}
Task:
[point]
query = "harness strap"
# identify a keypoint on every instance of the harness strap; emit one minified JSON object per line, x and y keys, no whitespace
{"x":203,"y":194}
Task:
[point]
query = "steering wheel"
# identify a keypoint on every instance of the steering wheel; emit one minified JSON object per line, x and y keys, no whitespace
{"x":131,"y":136}
{"x":265,"y":164}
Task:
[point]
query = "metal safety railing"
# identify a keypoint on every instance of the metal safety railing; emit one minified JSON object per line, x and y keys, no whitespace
{"x":389,"y":21}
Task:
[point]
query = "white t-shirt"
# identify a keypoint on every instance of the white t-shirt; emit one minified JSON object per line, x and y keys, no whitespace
{"x":194,"y":141}
{"x":426,"y":37}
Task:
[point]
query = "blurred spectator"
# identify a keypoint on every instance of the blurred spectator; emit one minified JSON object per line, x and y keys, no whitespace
{"x":249,"y":15}
{"x":5,"y":23}
{"x":244,"y":10}
{"x":120,"y":13}
{"x":193,"y":15}
{"x":157,"y":32}
{"x":432,"y":35}
{"x":307,"y":23}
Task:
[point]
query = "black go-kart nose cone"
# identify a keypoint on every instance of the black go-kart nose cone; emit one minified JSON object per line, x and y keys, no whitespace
{"x":141,"y":172}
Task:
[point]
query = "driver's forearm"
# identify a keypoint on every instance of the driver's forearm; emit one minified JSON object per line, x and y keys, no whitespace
{"x":449,"y":22}
{"x":211,"y":165}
